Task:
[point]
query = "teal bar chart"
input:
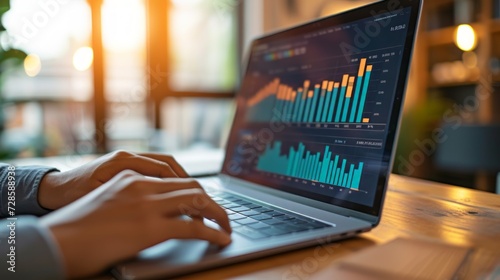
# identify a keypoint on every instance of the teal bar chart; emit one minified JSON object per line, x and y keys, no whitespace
{"x":325,"y":167}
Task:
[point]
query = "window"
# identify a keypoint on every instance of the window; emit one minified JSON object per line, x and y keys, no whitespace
{"x":202,"y":36}
{"x":46,"y":102}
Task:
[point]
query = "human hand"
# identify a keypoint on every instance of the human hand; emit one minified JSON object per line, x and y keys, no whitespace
{"x":128,"y":214}
{"x":58,"y":189}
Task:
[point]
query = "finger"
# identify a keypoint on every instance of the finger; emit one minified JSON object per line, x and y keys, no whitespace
{"x":148,"y":166}
{"x":192,"y":202}
{"x":170,"y":160}
{"x":160,"y":186}
{"x":196,"y":229}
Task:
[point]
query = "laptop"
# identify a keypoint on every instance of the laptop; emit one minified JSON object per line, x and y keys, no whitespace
{"x":312,"y":142}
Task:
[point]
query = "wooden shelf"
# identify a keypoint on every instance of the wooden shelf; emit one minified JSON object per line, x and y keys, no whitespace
{"x":435,"y":85}
{"x":445,"y":36}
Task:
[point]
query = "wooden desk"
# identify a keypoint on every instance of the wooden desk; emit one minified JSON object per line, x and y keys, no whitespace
{"x":413,"y":208}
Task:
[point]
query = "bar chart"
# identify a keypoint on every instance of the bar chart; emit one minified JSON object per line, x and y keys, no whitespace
{"x":301,"y":163}
{"x":329,"y":101}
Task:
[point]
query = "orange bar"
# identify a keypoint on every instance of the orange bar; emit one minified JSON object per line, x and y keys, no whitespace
{"x":337,"y":85}
{"x":307,"y":83}
{"x":330,"y":86}
{"x":284,"y":92}
{"x":310,"y":94}
{"x":350,"y":87}
{"x":290,"y":93}
{"x":294,"y":95}
{"x":325,"y":85}
{"x":366,"y":120}
{"x":273,"y":87}
{"x":369,"y":68}
{"x":345,"y":79}
{"x":280,"y":92}
{"x":361,"y":71}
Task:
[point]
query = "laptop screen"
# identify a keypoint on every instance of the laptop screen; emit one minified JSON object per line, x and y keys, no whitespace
{"x":319,"y":106}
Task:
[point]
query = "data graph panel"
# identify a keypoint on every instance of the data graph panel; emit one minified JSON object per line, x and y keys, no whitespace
{"x":316,"y":109}
{"x":300,"y":162}
{"x":327,"y":101}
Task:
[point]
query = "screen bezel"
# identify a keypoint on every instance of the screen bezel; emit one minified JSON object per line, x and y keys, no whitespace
{"x":364,"y":12}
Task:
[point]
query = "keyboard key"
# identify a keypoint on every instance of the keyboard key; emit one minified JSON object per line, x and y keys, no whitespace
{"x":230,"y":205}
{"x":236,"y":216}
{"x":298,"y":222}
{"x":234,"y":224}
{"x":261,"y":217}
{"x":249,"y":213}
{"x":263,"y":209}
{"x":242,"y":202}
{"x":274,"y":213}
{"x":285,"y":218}
{"x":223,"y":203}
{"x":258,"y":225}
{"x":229,"y":212}
{"x":272,"y":221}
{"x":253,"y":206}
{"x":246,"y":221}
{"x":239,"y":208}
{"x":273,"y":231}
{"x":224,"y":195}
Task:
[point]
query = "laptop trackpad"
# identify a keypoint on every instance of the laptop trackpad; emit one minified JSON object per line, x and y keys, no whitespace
{"x":180,"y":251}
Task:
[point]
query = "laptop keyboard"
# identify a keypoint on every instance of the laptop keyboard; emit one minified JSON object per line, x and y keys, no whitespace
{"x":255,"y":220}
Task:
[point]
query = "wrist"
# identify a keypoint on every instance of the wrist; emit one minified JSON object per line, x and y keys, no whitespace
{"x":46,"y":191}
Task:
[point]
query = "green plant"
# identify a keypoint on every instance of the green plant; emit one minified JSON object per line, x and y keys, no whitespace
{"x":9,"y":57}
{"x":8,"y":53}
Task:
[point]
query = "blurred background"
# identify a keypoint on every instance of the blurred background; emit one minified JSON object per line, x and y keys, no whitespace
{"x":90,"y":76}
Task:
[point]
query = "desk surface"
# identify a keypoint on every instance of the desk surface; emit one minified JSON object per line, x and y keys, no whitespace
{"x":413,"y":208}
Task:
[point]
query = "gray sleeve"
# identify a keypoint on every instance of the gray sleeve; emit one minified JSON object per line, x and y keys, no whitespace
{"x":26,"y":180}
{"x":28,"y":251}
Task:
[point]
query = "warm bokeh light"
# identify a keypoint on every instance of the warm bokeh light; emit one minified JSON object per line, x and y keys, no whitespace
{"x":465,"y":37}
{"x":83,"y":58}
{"x":123,"y":25}
{"x":32,"y":65}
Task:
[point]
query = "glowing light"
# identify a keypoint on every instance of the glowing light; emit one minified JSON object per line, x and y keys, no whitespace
{"x":465,"y":37}
{"x":123,"y":25}
{"x":83,"y":58}
{"x":32,"y":65}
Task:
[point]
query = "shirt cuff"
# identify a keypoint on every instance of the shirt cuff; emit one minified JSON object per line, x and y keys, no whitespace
{"x":28,"y":179}
{"x":33,"y":254}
